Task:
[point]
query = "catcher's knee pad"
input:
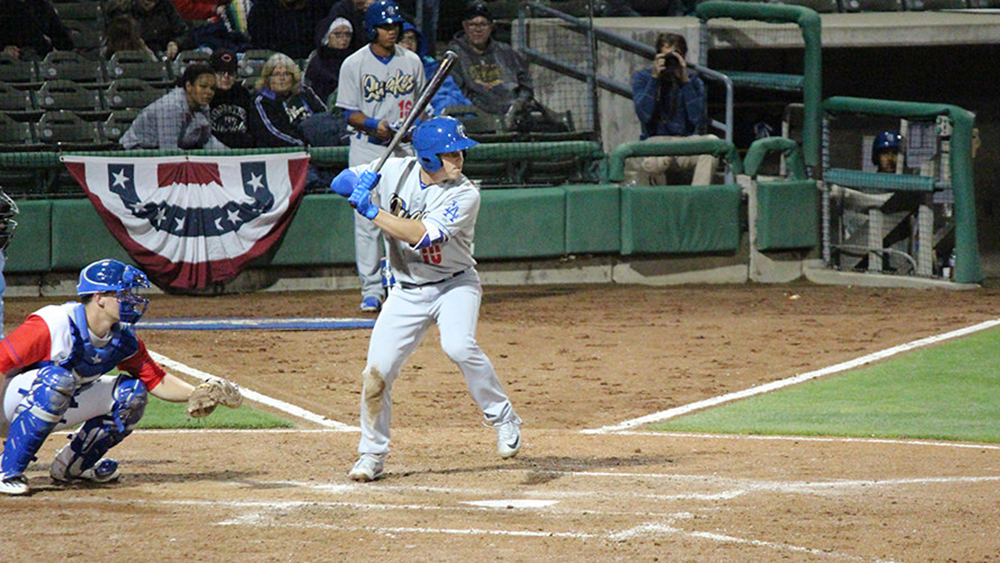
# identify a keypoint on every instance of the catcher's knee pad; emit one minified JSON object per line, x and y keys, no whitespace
{"x":130,"y":403}
{"x":34,"y":419}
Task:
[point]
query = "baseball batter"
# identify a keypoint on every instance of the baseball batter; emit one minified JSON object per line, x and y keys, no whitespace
{"x":54,"y":370}
{"x":427,"y":210}
{"x":378,"y":86}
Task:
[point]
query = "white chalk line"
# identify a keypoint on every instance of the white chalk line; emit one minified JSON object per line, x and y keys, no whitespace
{"x":842,"y":439}
{"x":282,"y":406}
{"x":262,"y":518}
{"x":774,"y":385}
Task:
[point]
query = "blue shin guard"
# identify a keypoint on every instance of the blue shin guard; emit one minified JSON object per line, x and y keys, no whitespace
{"x":38,"y":414}
{"x":81,"y":458}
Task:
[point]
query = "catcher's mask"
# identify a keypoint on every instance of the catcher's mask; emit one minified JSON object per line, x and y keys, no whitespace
{"x":437,"y":136}
{"x":8,"y":209}
{"x":106,"y":276}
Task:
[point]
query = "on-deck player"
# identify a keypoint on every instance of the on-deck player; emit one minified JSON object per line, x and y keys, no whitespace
{"x":378,"y":86}
{"x":427,"y":210}
{"x":52,"y":375}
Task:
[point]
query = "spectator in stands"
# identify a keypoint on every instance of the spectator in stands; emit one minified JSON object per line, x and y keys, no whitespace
{"x":122,"y":34}
{"x":160,"y":26}
{"x":286,"y":26}
{"x":178,"y":120}
{"x":231,"y":106}
{"x":200,"y":10}
{"x":670,"y":102}
{"x":885,"y":151}
{"x":333,"y":40}
{"x":30,"y":29}
{"x":282,"y":102}
{"x":448,"y":94}
{"x":354,"y":12}
{"x":489,"y":72}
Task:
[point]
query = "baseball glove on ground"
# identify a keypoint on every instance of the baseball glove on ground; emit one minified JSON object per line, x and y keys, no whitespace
{"x":211,"y":394}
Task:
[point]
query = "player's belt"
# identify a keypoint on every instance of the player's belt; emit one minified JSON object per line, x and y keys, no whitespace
{"x":408,"y":285}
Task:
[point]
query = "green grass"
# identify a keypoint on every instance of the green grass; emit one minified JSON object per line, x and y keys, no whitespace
{"x":947,"y":392}
{"x":162,"y":414}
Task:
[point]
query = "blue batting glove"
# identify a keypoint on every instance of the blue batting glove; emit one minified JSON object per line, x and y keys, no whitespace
{"x":369,"y":180}
{"x":343,"y":185}
{"x":361,"y":200}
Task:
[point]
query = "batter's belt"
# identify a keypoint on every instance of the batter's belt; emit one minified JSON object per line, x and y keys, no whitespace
{"x":408,"y":285}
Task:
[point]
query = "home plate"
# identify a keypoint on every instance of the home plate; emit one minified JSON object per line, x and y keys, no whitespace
{"x":512,"y":503}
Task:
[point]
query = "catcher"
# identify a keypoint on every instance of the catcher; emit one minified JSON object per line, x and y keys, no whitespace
{"x":54,"y":370}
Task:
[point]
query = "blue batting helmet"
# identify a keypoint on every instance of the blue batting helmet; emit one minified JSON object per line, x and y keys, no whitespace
{"x":106,"y":276}
{"x":381,"y":13}
{"x":885,"y":140}
{"x":437,"y":136}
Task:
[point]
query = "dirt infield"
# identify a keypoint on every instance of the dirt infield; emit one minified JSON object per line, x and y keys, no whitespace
{"x":572,"y":358}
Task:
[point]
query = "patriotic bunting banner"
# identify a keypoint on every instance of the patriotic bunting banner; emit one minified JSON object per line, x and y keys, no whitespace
{"x":191,"y":221}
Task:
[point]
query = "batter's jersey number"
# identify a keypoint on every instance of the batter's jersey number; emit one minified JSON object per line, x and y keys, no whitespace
{"x":404,"y":108}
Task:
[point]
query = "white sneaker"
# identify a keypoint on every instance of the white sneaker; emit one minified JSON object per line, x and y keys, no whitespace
{"x":508,"y":438}
{"x":369,"y":467}
{"x":16,"y":485}
{"x":104,"y":471}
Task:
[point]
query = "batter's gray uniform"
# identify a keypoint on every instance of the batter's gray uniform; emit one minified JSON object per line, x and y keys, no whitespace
{"x":436,"y":283}
{"x":380,"y":89}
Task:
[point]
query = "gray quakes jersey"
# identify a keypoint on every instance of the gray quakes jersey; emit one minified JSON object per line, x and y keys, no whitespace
{"x":448,"y":212}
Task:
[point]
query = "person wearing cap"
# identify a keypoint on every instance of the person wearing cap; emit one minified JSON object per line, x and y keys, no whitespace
{"x":232,"y":103}
{"x":489,"y":72}
{"x":179,"y":119}
{"x":333,"y":46}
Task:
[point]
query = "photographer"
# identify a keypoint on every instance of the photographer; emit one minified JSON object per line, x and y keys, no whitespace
{"x":670,"y":102}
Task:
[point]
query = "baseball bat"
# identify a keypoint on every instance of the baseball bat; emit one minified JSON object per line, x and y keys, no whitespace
{"x":447,"y":61}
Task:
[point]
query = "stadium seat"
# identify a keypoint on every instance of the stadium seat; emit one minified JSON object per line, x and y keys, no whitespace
{"x":86,"y":36}
{"x":132,"y":93}
{"x":252,"y":63}
{"x":873,"y":5}
{"x":18,"y":104}
{"x":71,"y":96}
{"x":15,"y":71}
{"x":184,"y":58}
{"x":136,"y":64}
{"x":16,"y":136}
{"x":65,"y":131}
{"x":117,"y":123}
{"x":84,"y":10}
{"x":931,"y":5}
{"x":475,"y":120}
{"x":820,"y":6}
{"x":69,"y":65}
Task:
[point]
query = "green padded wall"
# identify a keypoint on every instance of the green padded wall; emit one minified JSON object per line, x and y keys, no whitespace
{"x":321,"y":233}
{"x":79,"y":237}
{"x":31,"y":248}
{"x":680,"y":219}
{"x":521,"y":223}
{"x":593,"y":218}
{"x":787,"y":215}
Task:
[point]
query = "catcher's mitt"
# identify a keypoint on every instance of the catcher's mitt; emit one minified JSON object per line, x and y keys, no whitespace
{"x":211,"y":394}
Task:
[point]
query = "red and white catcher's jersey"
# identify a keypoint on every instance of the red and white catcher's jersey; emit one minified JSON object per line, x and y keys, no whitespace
{"x":46,"y":336}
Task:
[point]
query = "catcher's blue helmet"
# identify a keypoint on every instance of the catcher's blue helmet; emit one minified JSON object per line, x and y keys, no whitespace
{"x":106,"y":276}
{"x":437,"y":136}
{"x":885,"y":140}
{"x":381,"y":13}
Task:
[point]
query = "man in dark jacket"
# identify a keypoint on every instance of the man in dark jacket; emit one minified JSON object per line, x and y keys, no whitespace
{"x":489,"y":72}
{"x":285,"y":26}
{"x":30,"y":29}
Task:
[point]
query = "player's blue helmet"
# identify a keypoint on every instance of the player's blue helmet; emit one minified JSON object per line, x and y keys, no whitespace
{"x":437,"y":136}
{"x":883,"y":141}
{"x":381,"y":13}
{"x":124,"y":280}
